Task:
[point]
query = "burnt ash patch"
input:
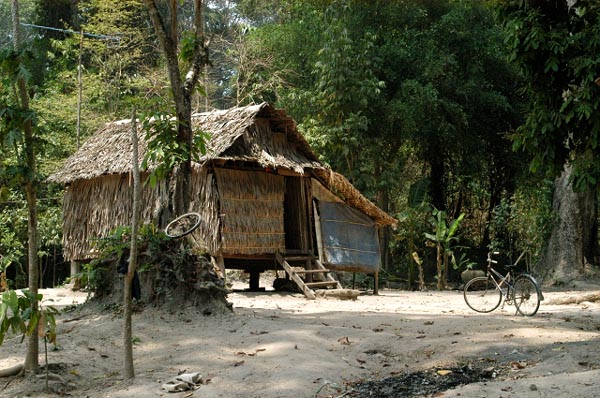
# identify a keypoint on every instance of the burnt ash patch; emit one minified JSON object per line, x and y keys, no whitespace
{"x":423,"y":383}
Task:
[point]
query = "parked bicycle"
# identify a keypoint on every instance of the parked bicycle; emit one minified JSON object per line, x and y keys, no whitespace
{"x":485,"y":293}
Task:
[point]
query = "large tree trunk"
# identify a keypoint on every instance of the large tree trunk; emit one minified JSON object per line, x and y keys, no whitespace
{"x":573,"y":244}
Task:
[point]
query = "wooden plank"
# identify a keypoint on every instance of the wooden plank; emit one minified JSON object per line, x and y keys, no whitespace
{"x":299,"y":258}
{"x":321,"y":284}
{"x":329,"y":277}
{"x":312,"y":271}
{"x":303,"y":287}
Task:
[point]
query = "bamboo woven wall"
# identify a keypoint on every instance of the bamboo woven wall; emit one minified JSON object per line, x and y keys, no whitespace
{"x":205,"y":201}
{"x":92,"y":208}
{"x":251,"y":208}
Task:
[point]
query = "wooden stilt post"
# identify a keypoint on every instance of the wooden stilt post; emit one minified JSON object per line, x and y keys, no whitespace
{"x":75,"y":270}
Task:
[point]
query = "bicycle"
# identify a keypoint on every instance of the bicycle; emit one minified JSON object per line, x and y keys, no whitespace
{"x":485,"y":293}
{"x":183,"y":225}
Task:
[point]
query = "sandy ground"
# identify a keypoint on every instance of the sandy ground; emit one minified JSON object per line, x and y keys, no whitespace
{"x":282,"y":345}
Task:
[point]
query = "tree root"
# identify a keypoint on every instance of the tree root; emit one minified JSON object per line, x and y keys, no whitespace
{"x":15,"y":370}
{"x":592,"y":297}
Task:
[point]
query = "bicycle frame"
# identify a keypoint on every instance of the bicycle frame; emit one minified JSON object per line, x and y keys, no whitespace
{"x":499,"y":279}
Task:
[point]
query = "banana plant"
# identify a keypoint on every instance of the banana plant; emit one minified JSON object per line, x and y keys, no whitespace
{"x":444,"y":236}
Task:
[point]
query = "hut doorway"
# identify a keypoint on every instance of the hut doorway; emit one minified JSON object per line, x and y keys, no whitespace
{"x":296,"y":215}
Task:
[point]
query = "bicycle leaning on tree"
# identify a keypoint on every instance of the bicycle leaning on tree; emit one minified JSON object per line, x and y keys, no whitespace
{"x":485,"y":293}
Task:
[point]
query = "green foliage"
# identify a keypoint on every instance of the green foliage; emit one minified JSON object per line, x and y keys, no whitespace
{"x":20,"y":315}
{"x":444,"y":238}
{"x":164,"y":151}
{"x":557,"y":49}
{"x":522,"y":221}
{"x":418,"y":193}
{"x":188,"y":44}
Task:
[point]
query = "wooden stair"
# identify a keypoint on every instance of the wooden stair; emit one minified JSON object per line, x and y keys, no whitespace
{"x":306,"y":287}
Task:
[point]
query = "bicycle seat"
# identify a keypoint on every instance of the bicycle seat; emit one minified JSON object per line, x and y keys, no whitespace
{"x":510,"y":266}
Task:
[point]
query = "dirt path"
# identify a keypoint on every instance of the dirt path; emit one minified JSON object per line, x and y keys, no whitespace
{"x":282,"y":345}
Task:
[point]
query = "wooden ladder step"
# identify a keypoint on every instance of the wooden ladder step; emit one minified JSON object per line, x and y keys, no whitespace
{"x":312,"y":271}
{"x":321,"y":284}
{"x":299,"y":258}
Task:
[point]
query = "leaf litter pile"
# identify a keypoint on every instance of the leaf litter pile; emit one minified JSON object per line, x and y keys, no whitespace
{"x":424,"y":383}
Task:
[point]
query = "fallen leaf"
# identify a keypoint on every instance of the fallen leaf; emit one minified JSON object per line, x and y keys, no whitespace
{"x":344,"y":340}
{"x":428,"y":323}
{"x":518,"y":365}
{"x":239,"y":363}
{"x":444,"y":372}
{"x":421,"y":336}
{"x":376,"y":330}
{"x":240,"y":353}
{"x":361,"y":361}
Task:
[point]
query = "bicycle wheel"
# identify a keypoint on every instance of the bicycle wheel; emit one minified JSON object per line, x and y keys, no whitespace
{"x":526,"y":295}
{"x":183,"y":225}
{"x":482,"y":295}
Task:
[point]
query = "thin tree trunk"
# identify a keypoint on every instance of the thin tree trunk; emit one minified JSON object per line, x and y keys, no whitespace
{"x":440,"y":266}
{"x":31,"y":359}
{"x":573,"y":243}
{"x":128,"y":280}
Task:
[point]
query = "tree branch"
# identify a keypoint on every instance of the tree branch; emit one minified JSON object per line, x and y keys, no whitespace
{"x":168,"y":44}
{"x":200,"y":58}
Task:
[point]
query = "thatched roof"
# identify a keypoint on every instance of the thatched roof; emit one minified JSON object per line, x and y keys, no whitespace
{"x":235,"y":134}
{"x":255,"y":133}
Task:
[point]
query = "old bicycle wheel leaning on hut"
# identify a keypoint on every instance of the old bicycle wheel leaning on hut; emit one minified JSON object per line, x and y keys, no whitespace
{"x":264,"y":199}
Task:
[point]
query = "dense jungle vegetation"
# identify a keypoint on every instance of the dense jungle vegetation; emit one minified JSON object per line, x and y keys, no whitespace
{"x":439,"y":111}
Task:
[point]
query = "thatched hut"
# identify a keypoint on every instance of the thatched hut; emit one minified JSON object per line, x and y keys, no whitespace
{"x":260,"y":189}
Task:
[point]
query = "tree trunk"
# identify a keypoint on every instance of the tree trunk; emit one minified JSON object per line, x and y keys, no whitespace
{"x":437,"y":175}
{"x":440,"y":267}
{"x":165,"y":26}
{"x":128,"y":280}
{"x":573,"y":244}
{"x":31,"y":359}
